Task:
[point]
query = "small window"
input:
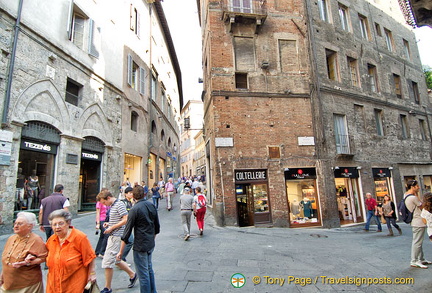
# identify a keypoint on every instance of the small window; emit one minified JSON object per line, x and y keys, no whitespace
{"x":323,"y":10}
{"x":397,"y":86}
{"x":135,"y":70}
{"x":332,"y":65}
{"x":373,"y":78}
{"x":134,"y":20}
{"x":379,"y":122}
{"x":378,"y":29}
{"x":404,"y":126}
{"x":153,"y":87}
{"x":407,"y":49}
{"x":364,"y":27}
{"x":353,"y":68}
{"x":162,"y":135}
{"x":241,"y":80}
{"x":73,"y":90}
{"x":274,"y":152}
{"x":344,"y":18}
{"x":422,"y":126}
{"x":154,"y":129}
{"x":134,"y":121}
{"x":415,"y":92}
{"x":388,"y":39}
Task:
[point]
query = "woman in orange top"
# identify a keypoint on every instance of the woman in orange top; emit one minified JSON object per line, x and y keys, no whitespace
{"x":70,"y":256}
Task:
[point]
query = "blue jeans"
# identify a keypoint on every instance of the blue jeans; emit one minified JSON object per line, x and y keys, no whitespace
{"x":143,"y":266}
{"x":369,"y":216}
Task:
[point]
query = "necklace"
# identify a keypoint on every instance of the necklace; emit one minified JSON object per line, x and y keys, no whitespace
{"x":62,"y":239}
{"x":9,"y":255}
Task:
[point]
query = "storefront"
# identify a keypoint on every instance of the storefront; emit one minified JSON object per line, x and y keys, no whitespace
{"x":348,"y":195}
{"x":90,"y":171}
{"x":253,"y":206}
{"x":303,"y":198}
{"x":151,"y":170}
{"x":383,"y":183}
{"x":132,"y":168}
{"x":37,"y":160}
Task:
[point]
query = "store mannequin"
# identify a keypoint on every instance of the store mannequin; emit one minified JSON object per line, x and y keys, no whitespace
{"x":295,"y":208}
{"x":307,"y":207}
{"x":33,"y":184}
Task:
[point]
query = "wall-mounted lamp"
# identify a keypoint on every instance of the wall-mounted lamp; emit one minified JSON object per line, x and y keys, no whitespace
{"x":359,"y":168}
{"x":265,"y":65}
{"x":336,"y":168}
{"x":390,"y":168}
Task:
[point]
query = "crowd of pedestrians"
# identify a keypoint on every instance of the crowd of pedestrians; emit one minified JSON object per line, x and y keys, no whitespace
{"x":67,"y":252}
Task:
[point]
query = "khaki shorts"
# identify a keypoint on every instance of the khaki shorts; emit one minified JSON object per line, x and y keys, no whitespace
{"x":111,"y":251}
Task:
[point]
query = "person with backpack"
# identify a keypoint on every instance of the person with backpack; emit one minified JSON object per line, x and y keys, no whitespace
{"x":414,"y":205}
{"x":389,"y":212}
{"x":372,"y":212}
{"x":199,"y":207}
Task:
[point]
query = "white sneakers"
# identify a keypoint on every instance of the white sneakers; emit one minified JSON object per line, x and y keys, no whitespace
{"x":421,"y":264}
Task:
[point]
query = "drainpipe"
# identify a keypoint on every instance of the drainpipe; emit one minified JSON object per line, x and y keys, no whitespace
{"x":11,"y":65}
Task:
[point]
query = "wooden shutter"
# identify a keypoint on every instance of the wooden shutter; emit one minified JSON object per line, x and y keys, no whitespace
{"x":129,"y":70}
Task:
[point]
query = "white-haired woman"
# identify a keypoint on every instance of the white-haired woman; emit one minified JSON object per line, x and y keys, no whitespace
{"x":22,"y":255}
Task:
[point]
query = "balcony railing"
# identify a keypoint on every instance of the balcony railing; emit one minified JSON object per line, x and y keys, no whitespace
{"x":238,"y":11}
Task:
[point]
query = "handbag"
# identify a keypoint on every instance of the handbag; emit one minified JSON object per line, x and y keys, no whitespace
{"x":383,"y":220}
{"x":91,"y":288}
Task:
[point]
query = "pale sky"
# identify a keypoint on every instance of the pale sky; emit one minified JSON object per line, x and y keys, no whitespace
{"x":182,"y":17}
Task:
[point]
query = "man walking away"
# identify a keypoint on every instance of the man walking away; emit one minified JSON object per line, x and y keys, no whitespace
{"x":143,"y":219}
{"x":186,"y":203}
{"x":56,"y":201}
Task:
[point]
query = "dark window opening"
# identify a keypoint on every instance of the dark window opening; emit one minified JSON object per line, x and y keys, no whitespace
{"x":72,"y":92}
{"x":241,"y":80}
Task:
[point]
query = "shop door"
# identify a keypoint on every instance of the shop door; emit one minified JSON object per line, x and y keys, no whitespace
{"x":90,"y":174}
{"x":350,"y":209}
{"x":245,"y":204}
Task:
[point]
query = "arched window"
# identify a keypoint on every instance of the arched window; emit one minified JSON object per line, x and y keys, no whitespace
{"x":169,"y":142}
{"x":162,"y":135}
{"x":153,"y":129}
{"x":134,"y":121}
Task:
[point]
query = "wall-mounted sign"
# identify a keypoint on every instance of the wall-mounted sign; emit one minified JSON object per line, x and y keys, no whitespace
{"x":224,"y":142}
{"x":300,"y":173}
{"x":306,"y":140}
{"x":346,"y":172}
{"x":91,"y":156}
{"x":72,"y":159}
{"x":381,"y":172}
{"x":250,"y":175}
{"x":42,"y":147}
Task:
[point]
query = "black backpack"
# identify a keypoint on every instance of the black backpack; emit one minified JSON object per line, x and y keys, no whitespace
{"x":404,"y":212}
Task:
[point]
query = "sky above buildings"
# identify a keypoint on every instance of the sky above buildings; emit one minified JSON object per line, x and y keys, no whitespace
{"x":185,"y":29}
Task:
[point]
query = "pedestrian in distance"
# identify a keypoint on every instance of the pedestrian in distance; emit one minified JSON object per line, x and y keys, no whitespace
{"x":22,"y":255}
{"x":426,"y":213}
{"x":143,"y":219}
{"x":389,"y":212}
{"x":200,"y":207}
{"x":414,"y":204}
{"x":186,"y":209}
{"x":169,"y":189}
{"x":155,"y":195}
{"x":70,"y":256}
{"x":372,"y":212}
{"x":118,"y":216}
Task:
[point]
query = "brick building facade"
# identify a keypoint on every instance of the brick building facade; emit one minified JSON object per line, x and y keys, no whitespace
{"x":309,"y":105}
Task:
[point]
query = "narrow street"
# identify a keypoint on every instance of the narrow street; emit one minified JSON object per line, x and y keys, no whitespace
{"x":280,"y":260}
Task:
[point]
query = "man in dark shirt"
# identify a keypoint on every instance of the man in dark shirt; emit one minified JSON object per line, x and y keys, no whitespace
{"x":143,"y":218}
{"x":49,"y":204}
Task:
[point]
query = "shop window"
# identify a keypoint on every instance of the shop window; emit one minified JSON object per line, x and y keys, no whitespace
{"x":344,"y":17}
{"x":389,"y":39}
{"x":241,"y":80}
{"x":134,"y":121}
{"x":379,"y":121}
{"x":73,"y":92}
{"x":404,"y":126}
{"x":332,"y":65}
{"x":373,"y":78}
{"x":397,"y":86}
{"x":364,"y":27}
{"x":353,"y":69}
{"x":323,"y":10}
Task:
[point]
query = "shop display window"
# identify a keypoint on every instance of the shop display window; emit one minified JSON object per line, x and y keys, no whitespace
{"x":260,"y":198}
{"x":382,"y":188}
{"x":303,"y":202}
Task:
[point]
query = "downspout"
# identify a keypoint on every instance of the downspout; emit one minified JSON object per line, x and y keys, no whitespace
{"x":11,"y":66}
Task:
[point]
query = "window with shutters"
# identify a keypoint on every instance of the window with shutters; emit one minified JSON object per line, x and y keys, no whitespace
{"x":353,"y":69}
{"x":288,"y":55}
{"x":379,"y":121}
{"x":323,"y":10}
{"x":135,"y":21}
{"x":134,"y":121}
{"x":244,"y":52}
{"x":344,"y":18}
{"x":388,"y":39}
{"x":142,"y":76}
{"x":423,"y":128}
{"x":404,"y":126}
{"x":415,"y":92}
{"x":397,"y":86}
{"x":132,"y":73}
{"x":364,"y":27}
{"x":406,"y":49}
{"x":243,"y":6}
{"x":153,"y":85}
{"x":77,"y":35}
{"x":73,"y":92}
{"x":332,"y":65}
